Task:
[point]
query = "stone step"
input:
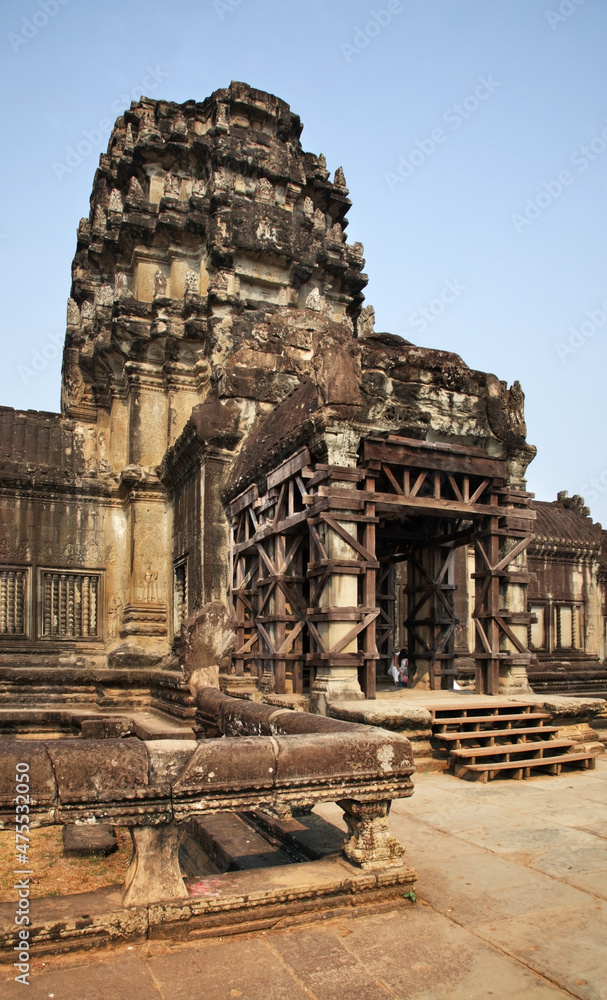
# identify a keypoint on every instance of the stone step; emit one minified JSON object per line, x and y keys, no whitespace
{"x":307,"y":835}
{"x":522,"y":768}
{"x":193,"y":861}
{"x":232,"y":844}
{"x":155,"y":728}
{"x":440,"y":724}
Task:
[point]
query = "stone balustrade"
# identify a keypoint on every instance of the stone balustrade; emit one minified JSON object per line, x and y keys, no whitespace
{"x":265,"y":758}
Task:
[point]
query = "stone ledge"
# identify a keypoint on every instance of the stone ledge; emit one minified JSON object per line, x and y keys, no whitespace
{"x":234,"y":903}
{"x":564,"y":706}
{"x":386,"y":714}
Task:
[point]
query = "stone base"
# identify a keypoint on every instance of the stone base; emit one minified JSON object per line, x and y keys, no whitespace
{"x":88,"y":841}
{"x":215,"y":906}
{"x":514,"y":680}
{"x":326,"y":690}
{"x":240,"y":687}
{"x":144,"y":619}
{"x":296,"y":702}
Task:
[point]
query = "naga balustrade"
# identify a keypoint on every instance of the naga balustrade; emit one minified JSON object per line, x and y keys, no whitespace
{"x":265,"y":758}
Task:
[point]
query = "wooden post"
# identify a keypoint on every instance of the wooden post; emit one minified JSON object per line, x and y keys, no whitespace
{"x":369,"y":599}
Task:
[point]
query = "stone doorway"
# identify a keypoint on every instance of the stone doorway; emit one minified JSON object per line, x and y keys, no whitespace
{"x":312,"y":569}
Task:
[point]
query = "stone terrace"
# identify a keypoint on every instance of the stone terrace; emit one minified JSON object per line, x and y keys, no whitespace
{"x":511,"y":903}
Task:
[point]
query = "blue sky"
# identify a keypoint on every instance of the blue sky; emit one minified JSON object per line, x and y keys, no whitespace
{"x":471,"y":136}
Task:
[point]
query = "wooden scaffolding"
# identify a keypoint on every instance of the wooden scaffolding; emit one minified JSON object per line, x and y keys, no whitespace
{"x":311,"y":595}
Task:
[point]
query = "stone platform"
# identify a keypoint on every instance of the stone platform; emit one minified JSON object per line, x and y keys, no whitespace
{"x":512,"y":902}
{"x":217,"y":905}
{"x":413,"y":712}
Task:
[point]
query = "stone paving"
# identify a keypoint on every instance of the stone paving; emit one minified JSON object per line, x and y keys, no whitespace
{"x":511,"y":903}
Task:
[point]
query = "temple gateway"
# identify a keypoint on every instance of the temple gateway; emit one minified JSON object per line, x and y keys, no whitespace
{"x":246,"y":479}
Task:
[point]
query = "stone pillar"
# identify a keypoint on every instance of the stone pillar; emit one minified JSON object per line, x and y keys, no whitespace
{"x":336,"y":678}
{"x":145,"y":615}
{"x":119,"y":430}
{"x":148,"y":414}
{"x":513,"y":598}
{"x":370,"y":844}
{"x":215,"y":526}
{"x":186,"y":388}
{"x":154,"y":874}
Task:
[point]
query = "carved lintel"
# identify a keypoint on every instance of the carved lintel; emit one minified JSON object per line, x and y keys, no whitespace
{"x":370,"y":844}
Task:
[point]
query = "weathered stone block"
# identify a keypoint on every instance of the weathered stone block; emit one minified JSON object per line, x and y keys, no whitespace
{"x":85,"y":841}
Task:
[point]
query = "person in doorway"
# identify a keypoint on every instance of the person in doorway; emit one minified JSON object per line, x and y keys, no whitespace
{"x":403,"y":668}
{"x":398,"y":670}
{"x":393,"y":670}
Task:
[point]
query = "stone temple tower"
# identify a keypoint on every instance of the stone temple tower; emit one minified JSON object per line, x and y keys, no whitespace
{"x":201,"y":215}
{"x":231,"y":422}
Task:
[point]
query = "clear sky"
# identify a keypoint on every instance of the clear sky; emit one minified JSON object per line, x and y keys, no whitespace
{"x":472,"y":133}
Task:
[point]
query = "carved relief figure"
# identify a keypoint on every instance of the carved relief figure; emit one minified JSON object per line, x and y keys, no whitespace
{"x":114,"y":614}
{"x":78,"y":439}
{"x":516,"y":409}
{"x":160,"y":284}
{"x":122,"y":286}
{"x":366,"y":321}
{"x":150,"y":585}
{"x":135,"y":190}
{"x":115,"y":204}
{"x":319,"y":220}
{"x":339,"y":180}
{"x":73,"y":313}
{"x":264,"y":191}
{"x":219,"y":282}
{"x":73,"y":385}
{"x":172,"y":186}
{"x":90,"y":449}
{"x":104,"y":465}
{"x":191,"y":282}
{"x":313,"y":301}
{"x":104,"y":296}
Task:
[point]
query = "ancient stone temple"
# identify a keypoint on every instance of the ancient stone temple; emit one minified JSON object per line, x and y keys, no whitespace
{"x":241,"y":463}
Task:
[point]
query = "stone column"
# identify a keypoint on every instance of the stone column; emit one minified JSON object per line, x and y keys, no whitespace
{"x":335,"y":680}
{"x":145,"y":615}
{"x":187,"y":385}
{"x":513,"y":598}
{"x":337,"y":673}
{"x":370,"y":844}
{"x":148,"y":414}
{"x":119,"y":429}
{"x":154,"y":873}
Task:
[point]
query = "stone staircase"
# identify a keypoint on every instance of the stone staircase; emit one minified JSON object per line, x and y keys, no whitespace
{"x":508,"y":739}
